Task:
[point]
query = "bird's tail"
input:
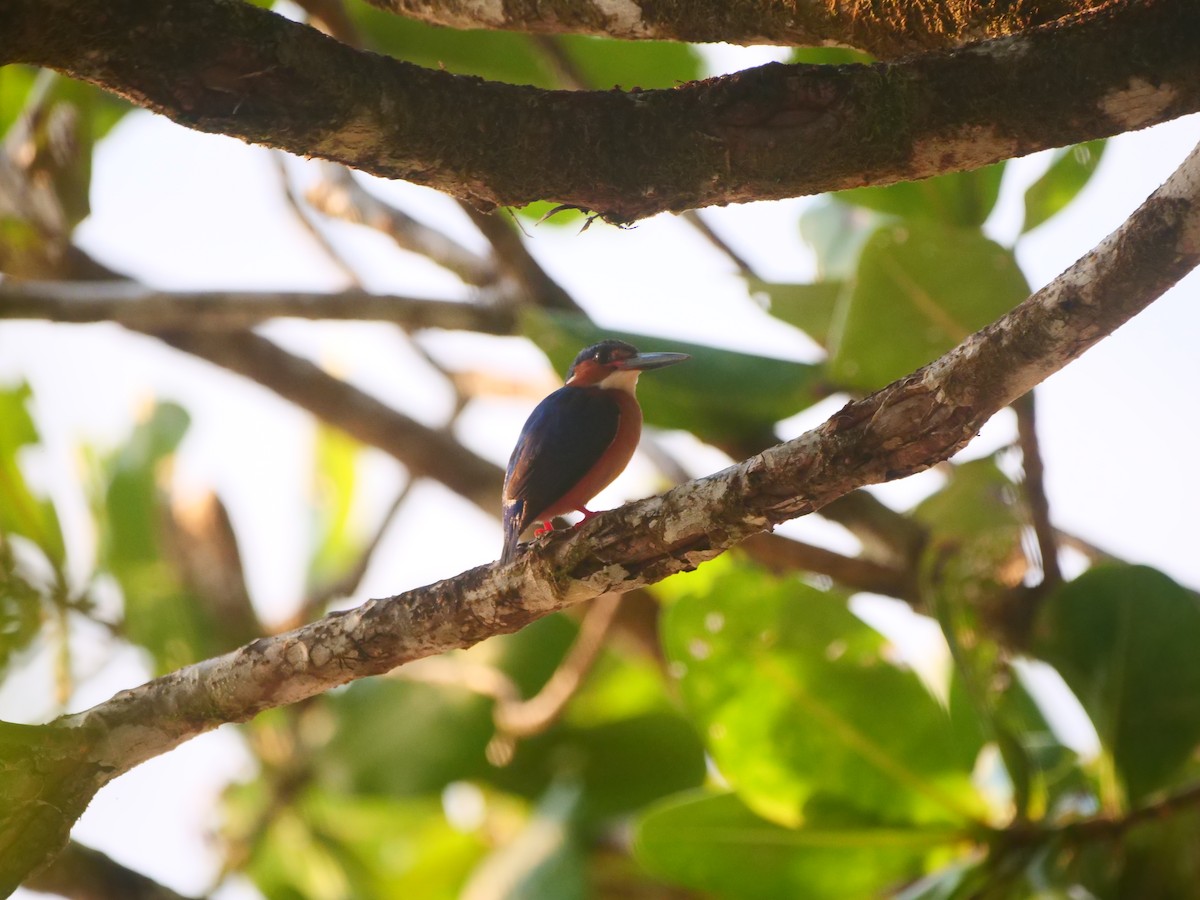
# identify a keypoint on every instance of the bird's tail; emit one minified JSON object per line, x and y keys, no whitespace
{"x":514,"y":524}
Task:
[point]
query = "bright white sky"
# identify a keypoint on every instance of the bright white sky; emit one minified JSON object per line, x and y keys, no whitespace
{"x":184,"y":210}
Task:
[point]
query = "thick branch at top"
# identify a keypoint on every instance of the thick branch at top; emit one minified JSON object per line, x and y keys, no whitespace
{"x":767,"y":133}
{"x":887,"y":30}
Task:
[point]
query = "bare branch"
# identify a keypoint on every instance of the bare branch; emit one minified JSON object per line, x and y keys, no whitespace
{"x":887,"y":30}
{"x":81,"y":873}
{"x":784,"y":555}
{"x":339,"y":195}
{"x":516,"y":718}
{"x":772,"y":132}
{"x":304,"y":219}
{"x":518,"y":263}
{"x":1035,"y":489}
{"x":426,"y":452}
{"x":136,"y":306}
{"x":904,"y":428}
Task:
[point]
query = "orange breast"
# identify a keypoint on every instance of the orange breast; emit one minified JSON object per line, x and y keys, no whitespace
{"x":611,"y":464}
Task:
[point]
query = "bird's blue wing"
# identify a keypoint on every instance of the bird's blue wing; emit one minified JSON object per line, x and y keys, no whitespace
{"x":563,"y":438}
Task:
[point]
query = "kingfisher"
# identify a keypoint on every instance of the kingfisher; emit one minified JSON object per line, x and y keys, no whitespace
{"x":578,"y":439}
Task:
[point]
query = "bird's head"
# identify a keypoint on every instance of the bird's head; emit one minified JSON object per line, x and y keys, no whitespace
{"x":616,"y":364}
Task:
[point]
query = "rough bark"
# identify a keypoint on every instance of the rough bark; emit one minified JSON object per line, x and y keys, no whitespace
{"x":906,"y":427}
{"x":887,"y":30}
{"x":767,"y":133}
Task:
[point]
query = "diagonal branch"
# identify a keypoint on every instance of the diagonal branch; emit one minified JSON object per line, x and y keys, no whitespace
{"x":904,"y":428}
{"x":81,"y":873}
{"x":52,"y":771}
{"x":771,"y":132}
{"x":425,"y":451}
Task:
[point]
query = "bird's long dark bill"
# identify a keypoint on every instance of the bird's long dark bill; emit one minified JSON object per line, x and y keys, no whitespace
{"x":651,"y":360}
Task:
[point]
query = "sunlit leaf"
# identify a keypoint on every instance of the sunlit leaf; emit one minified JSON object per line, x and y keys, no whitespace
{"x":21,"y":512}
{"x":921,"y":288}
{"x":958,"y":198}
{"x":337,"y":544}
{"x":718,"y":394}
{"x":323,"y":845}
{"x":800,"y":706}
{"x":1070,"y":170}
{"x":1124,"y":639}
{"x":161,"y":613}
{"x":20,"y":608}
{"x":715,"y":844}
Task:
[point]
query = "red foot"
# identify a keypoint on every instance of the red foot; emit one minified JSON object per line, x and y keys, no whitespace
{"x":547,"y":527}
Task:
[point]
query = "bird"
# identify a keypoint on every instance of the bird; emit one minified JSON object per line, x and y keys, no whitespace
{"x":578,"y":439}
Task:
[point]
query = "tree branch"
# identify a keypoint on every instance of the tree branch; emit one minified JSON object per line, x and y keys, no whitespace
{"x":136,"y":306}
{"x":908,"y":426}
{"x":81,"y":873}
{"x":338,"y":194}
{"x":772,"y":132}
{"x":426,"y":452}
{"x":887,"y":30}
{"x":1035,"y":490}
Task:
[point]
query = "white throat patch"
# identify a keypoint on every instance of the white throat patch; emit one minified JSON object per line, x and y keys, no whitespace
{"x":621,"y":380}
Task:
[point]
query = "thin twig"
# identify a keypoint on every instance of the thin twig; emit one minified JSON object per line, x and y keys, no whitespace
{"x":300,"y":213}
{"x":518,"y":263}
{"x":1035,"y":489}
{"x":698,"y":222}
{"x":423,"y":450}
{"x":339,"y":195}
{"x":785,"y":556}
{"x":314,"y":605}
{"x":524,"y":718}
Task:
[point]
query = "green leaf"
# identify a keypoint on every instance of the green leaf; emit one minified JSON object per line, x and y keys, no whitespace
{"x":921,"y":289}
{"x":20,"y":608}
{"x":16,"y":81}
{"x":1125,"y":639}
{"x":338,"y":545}
{"x":161,"y":614}
{"x":606,"y":63}
{"x":1070,"y":170}
{"x":837,"y":233}
{"x":830,"y":56}
{"x":714,"y":843}
{"x":544,"y":861}
{"x":809,"y":307}
{"x":329,"y":846}
{"x":20,"y":511}
{"x":627,"y":763}
{"x":721,"y":395}
{"x":965,"y":199}
{"x":494,"y":55}
{"x":403,"y":738}
{"x":800,"y":706}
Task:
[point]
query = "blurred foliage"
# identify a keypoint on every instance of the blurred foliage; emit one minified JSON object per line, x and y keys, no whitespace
{"x":776,"y":745}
